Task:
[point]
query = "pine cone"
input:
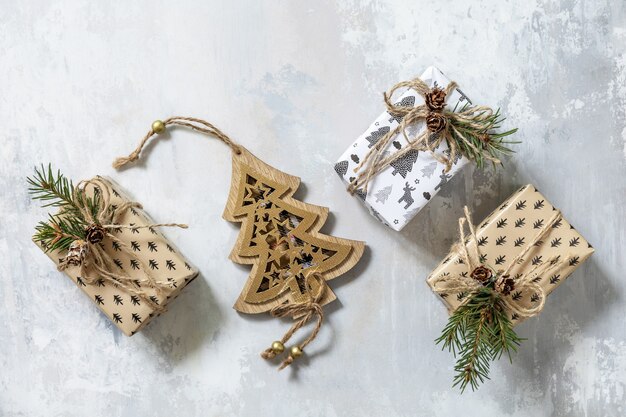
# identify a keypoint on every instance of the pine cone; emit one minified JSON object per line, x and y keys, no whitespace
{"x":481,"y":274}
{"x":435,"y":99}
{"x":95,"y":233}
{"x":76,"y":253}
{"x":435,"y":122}
{"x":505,"y":285}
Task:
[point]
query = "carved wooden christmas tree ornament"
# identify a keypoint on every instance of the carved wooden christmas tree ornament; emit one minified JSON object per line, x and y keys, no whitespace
{"x":291,"y":260}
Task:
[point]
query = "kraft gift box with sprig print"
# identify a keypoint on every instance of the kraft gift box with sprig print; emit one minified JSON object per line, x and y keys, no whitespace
{"x":504,"y":234}
{"x":135,"y":251}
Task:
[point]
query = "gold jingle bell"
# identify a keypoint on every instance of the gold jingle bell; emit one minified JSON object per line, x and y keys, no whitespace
{"x":278,"y":347}
{"x":158,"y":126}
{"x":296,"y":352}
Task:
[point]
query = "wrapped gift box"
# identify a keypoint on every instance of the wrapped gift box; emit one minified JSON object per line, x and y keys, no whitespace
{"x":149,"y":247}
{"x":505,"y":233}
{"x":399,"y":192}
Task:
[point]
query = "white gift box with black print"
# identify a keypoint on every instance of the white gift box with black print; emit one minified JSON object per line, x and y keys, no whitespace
{"x":399,"y":192}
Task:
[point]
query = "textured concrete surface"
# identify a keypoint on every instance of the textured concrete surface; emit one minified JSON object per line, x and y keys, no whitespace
{"x":295,"y":82}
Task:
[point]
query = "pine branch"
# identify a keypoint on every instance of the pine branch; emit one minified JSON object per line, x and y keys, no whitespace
{"x":478,"y":333}
{"x":56,"y":190}
{"x":485,"y":142}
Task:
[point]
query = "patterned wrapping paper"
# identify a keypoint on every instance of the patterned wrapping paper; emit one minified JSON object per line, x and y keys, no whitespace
{"x":129,"y":313}
{"x":505,"y":233}
{"x":399,"y":192}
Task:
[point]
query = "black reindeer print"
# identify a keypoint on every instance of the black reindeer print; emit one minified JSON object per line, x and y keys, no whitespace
{"x":444,"y":180}
{"x":407,"y":197}
{"x":375,"y":136}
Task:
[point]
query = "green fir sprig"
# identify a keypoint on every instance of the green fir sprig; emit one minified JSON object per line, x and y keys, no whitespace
{"x":477,"y":333}
{"x":483,"y":137}
{"x":69,"y":223}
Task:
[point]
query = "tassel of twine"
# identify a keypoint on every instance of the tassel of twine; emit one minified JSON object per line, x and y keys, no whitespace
{"x":305,"y":311}
{"x":159,"y":126}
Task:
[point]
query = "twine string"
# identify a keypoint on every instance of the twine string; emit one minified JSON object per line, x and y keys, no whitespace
{"x":193,"y":123}
{"x":305,"y":311}
{"x":376,"y":160}
{"x":468,"y":250}
{"x":96,"y":259}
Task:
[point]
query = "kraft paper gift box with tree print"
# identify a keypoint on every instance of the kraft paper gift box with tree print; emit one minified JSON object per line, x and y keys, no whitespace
{"x":398,"y":192}
{"x":500,"y":275}
{"x":136,"y":250}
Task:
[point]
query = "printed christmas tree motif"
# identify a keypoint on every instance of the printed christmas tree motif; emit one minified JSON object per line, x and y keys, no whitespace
{"x":134,"y":229}
{"x":132,"y":210}
{"x":100,"y":283}
{"x":538,"y":224}
{"x":519,"y":242}
{"x":153,"y":264}
{"x":534,"y":298}
{"x":404,"y":164}
{"x":118,"y":263}
{"x":375,"y":136}
{"x":407,"y":197}
{"x":98,"y":299}
{"x":574,"y":260}
{"x":520,"y":222}
{"x":517,"y":295}
{"x":170,"y":264}
{"x":536,"y":279}
{"x":444,"y":180}
{"x":135,"y":300}
{"x":154,"y":299}
{"x":521,"y":205}
{"x":341,"y":168}
{"x":500,"y":240}
{"x":152,"y":246}
{"x":482,"y":241}
{"x":539,"y":205}
{"x":555,"y":279}
{"x":408,"y":101}
{"x":116,"y":246}
{"x":383,"y":194}
{"x":117,"y":300}
{"x":170,"y":248}
{"x":557,"y":224}
{"x":279,"y":237}
{"x":537,"y":260}
{"x":500,"y":259}
{"x":574,"y":241}
{"x":134,"y":264}
{"x":171,"y":282}
{"x":80,"y":282}
{"x":556,"y":242}
{"x":117,"y":318}
{"x":501,"y":223}
{"x":152,"y":230}
{"x":355,"y":158}
{"x":136,"y":318}
{"x":482,"y":258}
{"x":135,"y":246}
{"x":429,"y":170}
{"x":187,"y":266}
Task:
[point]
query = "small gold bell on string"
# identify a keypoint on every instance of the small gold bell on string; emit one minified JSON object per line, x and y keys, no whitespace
{"x":158,"y":126}
{"x":278,"y":347}
{"x":296,"y":352}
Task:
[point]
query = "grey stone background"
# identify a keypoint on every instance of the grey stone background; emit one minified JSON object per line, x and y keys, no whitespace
{"x":296,"y":82}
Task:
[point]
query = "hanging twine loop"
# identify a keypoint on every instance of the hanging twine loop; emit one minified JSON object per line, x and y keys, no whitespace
{"x":441,"y":125}
{"x":159,"y":127}
{"x":479,"y":275}
{"x":305,"y":311}
{"x":88,"y":253}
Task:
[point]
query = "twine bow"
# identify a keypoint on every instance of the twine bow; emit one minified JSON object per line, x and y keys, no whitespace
{"x":305,"y":311}
{"x":479,"y":275}
{"x":441,"y":124}
{"x":89,"y":254}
